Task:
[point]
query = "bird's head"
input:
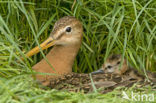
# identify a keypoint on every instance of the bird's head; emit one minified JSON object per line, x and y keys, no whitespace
{"x":112,"y":65}
{"x":67,"y":31}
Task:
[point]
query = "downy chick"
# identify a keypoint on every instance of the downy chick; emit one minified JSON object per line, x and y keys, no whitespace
{"x":113,"y":66}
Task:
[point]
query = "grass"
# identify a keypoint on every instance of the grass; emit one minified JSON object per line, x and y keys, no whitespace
{"x":110,"y":26}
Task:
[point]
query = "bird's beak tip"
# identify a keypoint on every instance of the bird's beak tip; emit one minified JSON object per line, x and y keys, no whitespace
{"x":98,"y":71}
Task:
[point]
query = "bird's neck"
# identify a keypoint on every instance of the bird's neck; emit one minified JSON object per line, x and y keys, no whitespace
{"x":61,"y":58}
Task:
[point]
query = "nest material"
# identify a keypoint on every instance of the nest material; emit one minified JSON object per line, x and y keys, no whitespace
{"x":103,"y":82}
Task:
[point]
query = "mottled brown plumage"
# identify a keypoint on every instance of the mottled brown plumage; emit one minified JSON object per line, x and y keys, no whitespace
{"x":82,"y":82}
{"x":104,"y":79}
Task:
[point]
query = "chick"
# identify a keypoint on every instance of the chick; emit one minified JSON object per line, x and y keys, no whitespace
{"x":114,"y":65}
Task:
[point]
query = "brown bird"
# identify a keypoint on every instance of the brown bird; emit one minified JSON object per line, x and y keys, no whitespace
{"x":66,"y":37}
{"x":112,"y":66}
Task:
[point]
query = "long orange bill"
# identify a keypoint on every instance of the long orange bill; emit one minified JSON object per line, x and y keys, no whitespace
{"x":46,"y":44}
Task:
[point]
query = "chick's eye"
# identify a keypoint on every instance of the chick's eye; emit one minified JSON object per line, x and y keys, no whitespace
{"x":118,"y":62}
{"x":68,"y":29}
{"x":109,"y":66}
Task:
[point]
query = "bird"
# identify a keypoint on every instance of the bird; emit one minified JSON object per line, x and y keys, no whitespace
{"x":66,"y":38}
{"x":112,"y":65}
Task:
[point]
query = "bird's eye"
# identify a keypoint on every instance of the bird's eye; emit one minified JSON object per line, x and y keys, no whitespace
{"x":68,"y":29}
{"x":118,"y":62}
{"x":109,"y":66}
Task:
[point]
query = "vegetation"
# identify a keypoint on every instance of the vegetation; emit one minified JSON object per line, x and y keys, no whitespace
{"x":125,"y":27}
